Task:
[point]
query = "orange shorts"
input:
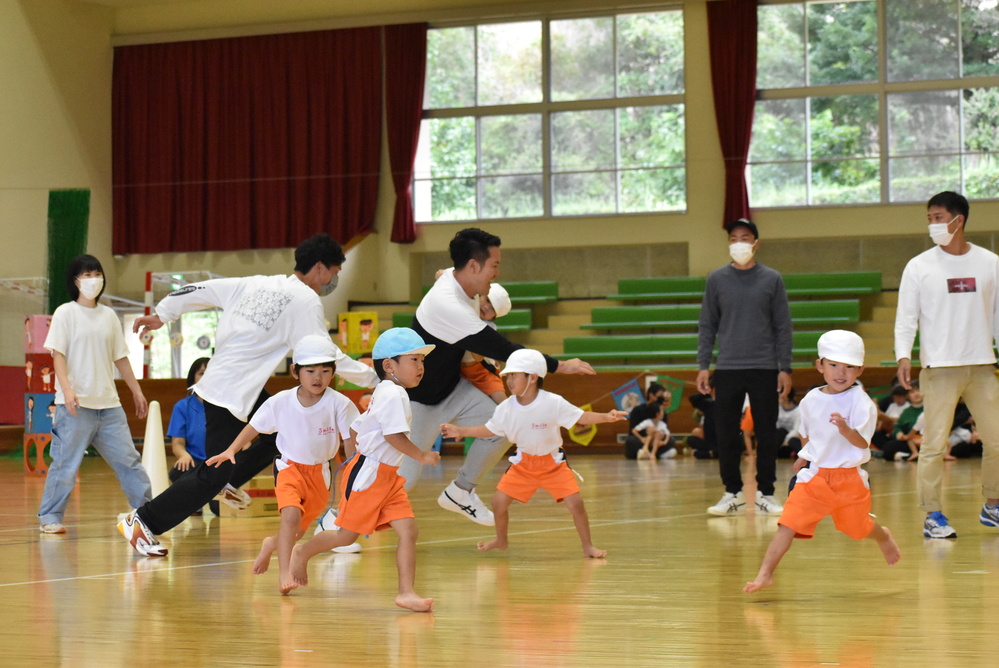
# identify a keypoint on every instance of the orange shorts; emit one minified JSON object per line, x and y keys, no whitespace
{"x":482,"y":378}
{"x":381,"y":501}
{"x":535,"y":472}
{"x":841,"y":493}
{"x":302,"y":486}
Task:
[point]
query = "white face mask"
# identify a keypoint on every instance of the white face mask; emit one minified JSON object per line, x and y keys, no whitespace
{"x":327,"y":289}
{"x":91,"y":287}
{"x":741,"y":252}
{"x":940,"y":233}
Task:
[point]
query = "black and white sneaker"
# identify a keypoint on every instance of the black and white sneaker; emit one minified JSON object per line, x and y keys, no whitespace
{"x":729,"y":504}
{"x":466,"y":503}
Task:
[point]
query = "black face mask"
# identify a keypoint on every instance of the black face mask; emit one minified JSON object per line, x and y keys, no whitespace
{"x":660,"y":400}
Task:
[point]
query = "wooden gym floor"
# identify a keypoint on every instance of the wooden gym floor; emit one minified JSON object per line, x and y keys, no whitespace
{"x":668,"y":593}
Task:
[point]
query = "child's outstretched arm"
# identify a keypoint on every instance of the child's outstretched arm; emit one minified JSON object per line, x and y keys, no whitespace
{"x":454,"y":431}
{"x":350,"y":445}
{"x":242,"y":442}
{"x":402,"y":443}
{"x":850,"y":434}
{"x":590,"y":417}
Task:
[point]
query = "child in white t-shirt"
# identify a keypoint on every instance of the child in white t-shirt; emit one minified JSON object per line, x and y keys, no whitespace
{"x":373,"y":495}
{"x":310,"y":421}
{"x":837,"y":422}
{"x":654,"y":435}
{"x":531,"y":418}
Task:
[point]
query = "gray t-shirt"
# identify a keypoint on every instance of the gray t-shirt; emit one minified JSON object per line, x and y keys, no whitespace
{"x":747,"y":311}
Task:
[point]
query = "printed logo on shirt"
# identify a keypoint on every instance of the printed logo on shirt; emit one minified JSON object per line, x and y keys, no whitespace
{"x":263,"y":307}
{"x":537,"y":425}
{"x":961,"y":285}
{"x":185,"y":290}
{"x":326,"y":431}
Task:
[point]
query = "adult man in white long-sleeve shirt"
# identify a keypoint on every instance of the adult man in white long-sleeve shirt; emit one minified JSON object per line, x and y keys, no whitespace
{"x":950,"y":293}
{"x":263,"y":317}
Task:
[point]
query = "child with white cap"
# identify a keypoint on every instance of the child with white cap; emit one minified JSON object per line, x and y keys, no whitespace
{"x":373,"y":497}
{"x":531,"y":419}
{"x":837,"y":422}
{"x":310,"y":421}
{"x":479,"y":370}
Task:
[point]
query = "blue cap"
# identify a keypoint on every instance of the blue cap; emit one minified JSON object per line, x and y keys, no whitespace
{"x":399,"y":341}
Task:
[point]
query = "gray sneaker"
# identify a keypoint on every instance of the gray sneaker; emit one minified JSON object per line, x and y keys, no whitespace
{"x":937,"y":526}
{"x":729,"y":504}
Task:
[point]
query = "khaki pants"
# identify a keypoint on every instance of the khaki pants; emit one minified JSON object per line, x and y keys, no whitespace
{"x":942,"y":388}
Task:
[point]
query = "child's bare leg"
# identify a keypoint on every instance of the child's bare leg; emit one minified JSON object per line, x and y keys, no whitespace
{"x":501,"y":508}
{"x":288,"y":533}
{"x":887,"y":544}
{"x":779,"y":545}
{"x":655,"y":442}
{"x":323,"y":541}
{"x":574,"y":503}
{"x":263,"y":560}
{"x":405,"y":561}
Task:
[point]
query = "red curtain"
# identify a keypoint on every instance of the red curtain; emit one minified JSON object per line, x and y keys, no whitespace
{"x":732,"y":36}
{"x":255,"y":142}
{"x":405,"y":67}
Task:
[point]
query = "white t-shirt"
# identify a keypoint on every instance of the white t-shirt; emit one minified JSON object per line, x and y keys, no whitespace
{"x":649,"y":423}
{"x":92,"y":340}
{"x":388,"y":413}
{"x":789,"y":420}
{"x":826,"y":447}
{"x":895,"y":410}
{"x":306,"y":435}
{"x":263,"y":317}
{"x":534,"y":428}
{"x":953,"y":300}
{"x":447,"y":312}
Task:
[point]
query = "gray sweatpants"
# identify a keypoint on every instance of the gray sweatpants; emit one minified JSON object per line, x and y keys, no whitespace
{"x":466,"y":406}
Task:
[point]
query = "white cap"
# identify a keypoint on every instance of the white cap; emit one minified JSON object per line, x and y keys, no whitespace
{"x":314,"y":349}
{"x":526,"y":360}
{"x":500,"y":299}
{"x":839,"y":345}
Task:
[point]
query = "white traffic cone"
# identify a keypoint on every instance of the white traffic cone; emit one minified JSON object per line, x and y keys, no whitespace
{"x":154,"y":450}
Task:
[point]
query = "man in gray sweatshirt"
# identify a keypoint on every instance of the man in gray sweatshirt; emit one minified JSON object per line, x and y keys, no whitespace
{"x":745,"y":308}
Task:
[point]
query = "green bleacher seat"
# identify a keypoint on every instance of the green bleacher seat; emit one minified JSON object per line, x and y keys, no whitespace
{"x":517,"y":320}
{"x":669,"y":288}
{"x":676,"y":348}
{"x":677,"y":316}
{"x":525,"y":293}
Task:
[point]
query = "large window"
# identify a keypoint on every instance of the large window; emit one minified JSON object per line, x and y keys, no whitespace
{"x":553,"y":117}
{"x":875,"y":101}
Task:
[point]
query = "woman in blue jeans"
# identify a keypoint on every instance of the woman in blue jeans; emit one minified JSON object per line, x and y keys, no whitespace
{"x":87,"y":343}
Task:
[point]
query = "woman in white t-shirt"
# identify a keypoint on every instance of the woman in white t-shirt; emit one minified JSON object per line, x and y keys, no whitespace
{"x":87,"y":343}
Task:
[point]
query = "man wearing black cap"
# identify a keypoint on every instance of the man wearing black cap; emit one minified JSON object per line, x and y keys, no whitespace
{"x":745,"y":309}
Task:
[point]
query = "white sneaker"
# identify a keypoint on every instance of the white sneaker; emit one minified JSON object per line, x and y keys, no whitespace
{"x":328,"y":523}
{"x":466,"y":503}
{"x":234,"y":498}
{"x":669,"y":454}
{"x":767,"y":504}
{"x":54,"y":527}
{"x":729,"y":504}
{"x":140,"y":537}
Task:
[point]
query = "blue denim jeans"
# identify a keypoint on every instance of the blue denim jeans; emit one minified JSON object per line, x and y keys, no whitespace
{"x":107,"y":430}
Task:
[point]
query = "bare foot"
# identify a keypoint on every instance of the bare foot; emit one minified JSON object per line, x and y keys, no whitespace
{"x":950,"y":458}
{"x":299,"y":567}
{"x":889,"y":548}
{"x":263,"y":560}
{"x":495,"y":544}
{"x":287,"y":583}
{"x":761,"y":582}
{"x":913,"y":457}
{"x":413,"y":602}
{"x":593,"y":553}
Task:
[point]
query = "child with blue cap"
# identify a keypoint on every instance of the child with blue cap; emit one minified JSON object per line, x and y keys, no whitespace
{"x":373,"y":497}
